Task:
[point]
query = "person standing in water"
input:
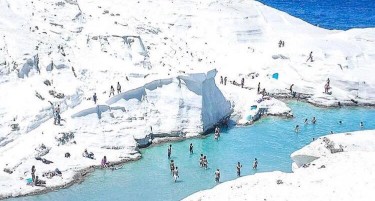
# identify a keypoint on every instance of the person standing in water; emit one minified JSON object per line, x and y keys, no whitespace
{"x":191,"y":148}
{"x":175,"y":174}
{"x":361,"y":124}
{"x":239,"y":166}
{"x":201,"y":160}
{"x":169,"y":151}
{"x":171,"y":166}
{"x":205,"y":162}
{"x":306,"y":121}
{"x":255,"y":164}
{"x":217,"y":176}
{"x":313,"y":121}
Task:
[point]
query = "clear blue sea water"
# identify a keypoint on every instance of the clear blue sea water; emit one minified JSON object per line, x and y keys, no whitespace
{"x":271,"y":140}
{"x":330,"y":14}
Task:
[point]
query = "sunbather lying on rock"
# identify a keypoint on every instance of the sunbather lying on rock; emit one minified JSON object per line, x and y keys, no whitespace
{"x":39,"y":182}
{"x":86,"y":154}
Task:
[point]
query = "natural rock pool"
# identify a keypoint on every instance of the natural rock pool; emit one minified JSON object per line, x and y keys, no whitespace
{"x":271,"y":141}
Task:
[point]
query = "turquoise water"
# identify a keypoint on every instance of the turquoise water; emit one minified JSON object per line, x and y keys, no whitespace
{"x":271,"y":140}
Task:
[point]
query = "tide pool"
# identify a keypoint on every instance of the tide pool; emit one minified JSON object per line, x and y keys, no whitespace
{"x":270,"y":140}
{"x":333,"y":14}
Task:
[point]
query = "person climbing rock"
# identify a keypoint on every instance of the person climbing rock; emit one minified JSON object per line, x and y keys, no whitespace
{"x":310,"y":57}
{"x":95,"y":98}
{"x":112,"y":91}
{"x":118,"y":88}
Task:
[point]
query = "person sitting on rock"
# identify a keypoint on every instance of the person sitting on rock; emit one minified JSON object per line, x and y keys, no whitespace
{"x":104,"y":162}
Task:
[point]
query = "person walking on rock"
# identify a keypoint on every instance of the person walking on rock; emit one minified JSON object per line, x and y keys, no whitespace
{"x":310,"y":57}
{"x":225,"y":81}
{"x":118,"y":88}
{"x":95,"y":98}
{"x":221,"y":80}
{"x":258,"y":87}
{"x":112,"y":91}
{"x":242,"y":82}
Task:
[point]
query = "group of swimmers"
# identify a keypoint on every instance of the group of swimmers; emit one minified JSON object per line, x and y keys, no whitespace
{"x":203,"y":163}
{"x":313,"y":121}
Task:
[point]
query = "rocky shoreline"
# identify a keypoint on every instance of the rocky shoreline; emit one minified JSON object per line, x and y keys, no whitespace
{"x":156,"y":140}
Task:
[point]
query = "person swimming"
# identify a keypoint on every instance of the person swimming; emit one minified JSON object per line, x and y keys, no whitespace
{"x":296,"y":129}
{"x":340,"y":122}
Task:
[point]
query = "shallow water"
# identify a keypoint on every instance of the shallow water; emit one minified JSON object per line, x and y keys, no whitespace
{"x":332,"y":14}
{"x":271,"y":140}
